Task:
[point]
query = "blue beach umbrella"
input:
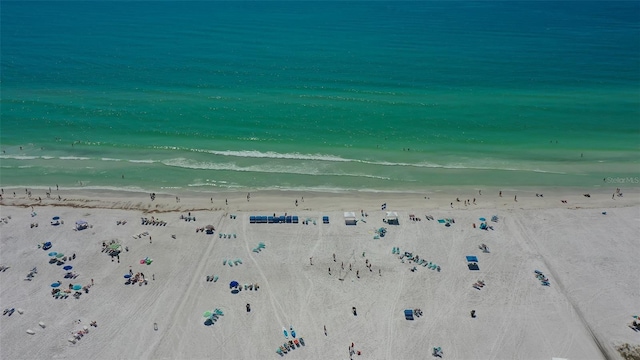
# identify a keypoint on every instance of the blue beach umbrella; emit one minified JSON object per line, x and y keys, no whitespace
{"x":53,"y":253}
{"x":126,"y":276}
{"x":68,"y":267}
{"x":483,"y":219}
{"x":77,"y":287}
{"x":233,"y":284}
{"x":55,"y":284}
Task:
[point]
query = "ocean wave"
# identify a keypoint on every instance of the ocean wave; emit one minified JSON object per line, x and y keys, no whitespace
{"x":297,"y":170}
{"x":73,"y":158}
{"x":142,"y":161}
{"x":335,"y":158}
{"x":19,"y":157}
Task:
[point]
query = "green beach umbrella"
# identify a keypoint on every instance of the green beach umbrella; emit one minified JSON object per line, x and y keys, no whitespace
{"x":207,"y":314}
{"x":59,"y":255}
{"x":114,"y":246}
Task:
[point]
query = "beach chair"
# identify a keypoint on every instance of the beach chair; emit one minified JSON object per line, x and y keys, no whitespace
{"x":256,"y":250}
{"x":224,"y":262}
{"x":215,"y":278}
{"x":239,"y":261}
{"x":301,"y":341}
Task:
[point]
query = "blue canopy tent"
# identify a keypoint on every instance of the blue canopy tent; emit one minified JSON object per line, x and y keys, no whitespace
{"x":408,"y":314}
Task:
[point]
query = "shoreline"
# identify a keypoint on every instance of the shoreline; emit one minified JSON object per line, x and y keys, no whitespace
{"x":444,"y":198}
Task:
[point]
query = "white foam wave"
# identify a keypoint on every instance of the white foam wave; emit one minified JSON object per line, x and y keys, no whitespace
{"x":73,"y":158}
{"x":18,"y":157}
{"x":190,"y":164}
{"x":142,"y":161}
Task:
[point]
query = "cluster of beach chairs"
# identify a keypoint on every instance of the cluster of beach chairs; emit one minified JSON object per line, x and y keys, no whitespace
{"x":484,"y":248}
{"x":543,"y":279}
{"x":153,"y":221}
{"x":227,"y":236}
{"x":121,"y":222}
{"x":212,"y":278}
{"x":213,"y":316}
{"x":289,"y":346}
{"x":4,"y":268}
{"x":138,"y":278}
{"x":635,"y":324}
{"x":34,"y":225}
{"x":187,"y":218}
{"x":231,"y":263}
{"x":5,"y":220}
{"x":415,"y":218}
{"x":478,"y":285}
{"x":71,"y":275}
{"x":31,"y":274}
{"x":259,"y":248}
{"x":8,"y":312}
{"x":77,"y":335}
{"x":141,"y":235}
{"x":415,"y":259}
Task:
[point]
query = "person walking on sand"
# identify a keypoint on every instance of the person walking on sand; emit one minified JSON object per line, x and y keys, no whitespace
{"x":334,"y":257}
{"x":311,"y":260}
{"x":500,"y":193}
{"x":515,"y":198}
{"x":325,"y":330}
{"x":329,"y":271}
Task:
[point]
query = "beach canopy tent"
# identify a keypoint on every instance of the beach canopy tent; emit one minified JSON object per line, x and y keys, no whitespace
{"x":325,"y":219}
{"x":81,"y":225}
{"x":408,"y":314}
{"x":349,"y":218}
{"x":472,"y":258}
{"x":392,"y":218}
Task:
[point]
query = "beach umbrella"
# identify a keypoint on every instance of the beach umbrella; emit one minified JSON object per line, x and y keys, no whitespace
{"x":68,"y":267}
{"x":209,"y":227}
{"x":53,"y":253}
{"x":233,"y":284}
{"x":114,"y":246}
{"x":126,"y":276}
{"x":483,"y":219}
{"x":80,"y":222}
{"x":56,"y":218}
{"x":59,"y":255}
{"x":77,"y":287}
{"x":207,"y":314}
{"x":55,"y":284}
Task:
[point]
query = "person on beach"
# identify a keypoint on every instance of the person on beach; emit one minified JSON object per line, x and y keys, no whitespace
{"x":334,"y":257}
{"x":325,"y":330}
{"x":500,"y":193}
{"x":515,"y":198}
{"x":311,"y":260}
{"x":329,"y":271}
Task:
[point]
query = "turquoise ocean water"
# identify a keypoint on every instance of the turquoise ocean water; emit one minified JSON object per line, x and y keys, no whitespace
{"x":319,"y":95}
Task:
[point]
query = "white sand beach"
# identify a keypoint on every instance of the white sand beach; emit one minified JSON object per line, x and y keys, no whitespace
{"x":586,"y":248}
